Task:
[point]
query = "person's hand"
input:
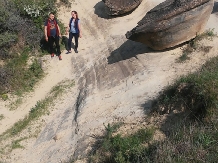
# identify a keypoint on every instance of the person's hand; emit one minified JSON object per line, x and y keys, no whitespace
{"x":60,"y":36}
{"x":80,"y":35}
{"x":46,"y":38}
{"x":67,"y":31}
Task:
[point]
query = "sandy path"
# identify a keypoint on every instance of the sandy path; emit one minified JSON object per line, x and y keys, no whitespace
{"x":56,"y":72}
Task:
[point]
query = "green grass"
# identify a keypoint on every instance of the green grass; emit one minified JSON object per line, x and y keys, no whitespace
{"x":17,"y":77}
{"x":190,"y":108}
{"x":184,"y":57}
{"x":4,"y":97}
{"x":192,"y":134}
{"x":12,"y":137}
{"x":14,"y":105}
{"x":16,"y":143}
{"x":194,"y":45}
{"x":114,"y":148}
{"x":1,"y":117}
{"x":40,"y":109}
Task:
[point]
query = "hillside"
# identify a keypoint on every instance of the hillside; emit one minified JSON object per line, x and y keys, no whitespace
{"x":115,"y":80}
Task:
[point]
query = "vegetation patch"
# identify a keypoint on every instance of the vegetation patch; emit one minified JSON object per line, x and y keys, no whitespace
{"x":1,"y":117}
{"x":16,"y":143}
{"x":116,"y":148}
{"x":4,"y":97}
{"x":190,"y":107}
{"x":195,"y":45}
{"x":185,"y":112}
{"x":22,"y":28}
{"x":40,"y":109}
{"x":17,"y":77}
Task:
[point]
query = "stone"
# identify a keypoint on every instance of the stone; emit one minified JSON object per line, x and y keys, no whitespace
{"x":119,"y":7}
{"x":171,"y":23}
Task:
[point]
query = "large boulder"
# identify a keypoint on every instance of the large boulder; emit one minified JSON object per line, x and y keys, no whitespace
{"x":172,"y":23}
{"x":118,"y":7}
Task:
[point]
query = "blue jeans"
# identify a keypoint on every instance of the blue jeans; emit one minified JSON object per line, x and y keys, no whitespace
{"x":76,"y":36}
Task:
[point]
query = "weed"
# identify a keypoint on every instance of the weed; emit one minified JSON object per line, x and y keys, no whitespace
{"x":122,"y":149}
{"x":40,"y":109}
{"x":16,"y":143}
{"x":15,"y":104}
{"x":204,"y":139}
{"x":184,"y":57}
{"x":17,"y":77}
{"x":67,"y":3}
{"x":190,"y":127}
{"x":191,"y":124}
{"x":1,"y":117}
{"x":194,"y":45}
{"x":4,"y":97}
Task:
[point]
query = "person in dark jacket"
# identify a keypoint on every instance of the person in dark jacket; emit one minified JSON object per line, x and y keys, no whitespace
{"x":53,"y":34}
{"x":74,"y":30}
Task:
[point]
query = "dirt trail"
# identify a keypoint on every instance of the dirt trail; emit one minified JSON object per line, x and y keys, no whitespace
{"x":115,"y":80}
{"x":56,"y":72}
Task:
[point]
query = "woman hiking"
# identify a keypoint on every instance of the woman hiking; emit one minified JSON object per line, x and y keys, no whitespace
{"x":74,"y":30}
{"x":52,"y":34}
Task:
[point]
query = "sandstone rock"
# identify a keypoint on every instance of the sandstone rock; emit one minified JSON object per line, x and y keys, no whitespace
{"x":172,"y":23}
{"x":118,"y":7}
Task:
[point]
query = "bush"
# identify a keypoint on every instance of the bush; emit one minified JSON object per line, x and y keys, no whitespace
{"x":6,"y":39}
{"x":191,"y":111}
{"x":4,"y":15}
{"x":123,"y":149}
{"x":12,"y":25}
{"x":16,"y":76}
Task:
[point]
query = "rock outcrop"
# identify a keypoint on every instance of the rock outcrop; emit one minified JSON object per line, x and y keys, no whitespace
{"x":118,"y":7}
{"x":172,"y":23}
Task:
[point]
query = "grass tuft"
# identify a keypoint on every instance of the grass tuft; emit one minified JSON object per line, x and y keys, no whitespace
{"x":194,"y":45}
{"x":116,"y":148}
{"x":191,"y":123}
{"x":185,"y":112}
{"x":1,"y":117}
{"x":40,"y":109}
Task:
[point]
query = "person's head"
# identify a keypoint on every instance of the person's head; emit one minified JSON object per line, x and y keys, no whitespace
{"x":74,"y":15}
{"x":51,"y":15}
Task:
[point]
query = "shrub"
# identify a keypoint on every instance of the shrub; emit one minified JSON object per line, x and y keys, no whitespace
{"x":190,"y":107}
{"x":6,"y":39}
{"x":4,"y":15}
{"x":194,"y":45}
{"x":16,"y":76}
{"x":123,"y":149}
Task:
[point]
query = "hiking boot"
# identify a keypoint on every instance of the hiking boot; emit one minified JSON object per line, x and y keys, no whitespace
{"x":52,"y":55}
{"x":60,"y":58}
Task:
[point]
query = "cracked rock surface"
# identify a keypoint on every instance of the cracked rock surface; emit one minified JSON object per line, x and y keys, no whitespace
{"x":172,"y":23}
{"x":118,"y":7}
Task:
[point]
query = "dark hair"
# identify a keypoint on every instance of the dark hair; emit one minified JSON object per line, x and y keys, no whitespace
{"x":76,"y":20}
{"x":51,"y":13}
{"x":77,"y":17}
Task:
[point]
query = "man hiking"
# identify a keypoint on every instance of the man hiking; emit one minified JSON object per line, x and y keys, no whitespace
{"x":52,"y":34}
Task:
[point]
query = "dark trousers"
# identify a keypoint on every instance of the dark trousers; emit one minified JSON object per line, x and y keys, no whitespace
{"x":51,"y":41}
{"x":76,"y":37}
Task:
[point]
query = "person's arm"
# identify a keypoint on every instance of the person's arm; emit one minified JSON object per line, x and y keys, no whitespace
{"x":45,"y":32}
{"x":67,"y":28}
{"x":59,"y":30}
{"x":80,"y":31}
